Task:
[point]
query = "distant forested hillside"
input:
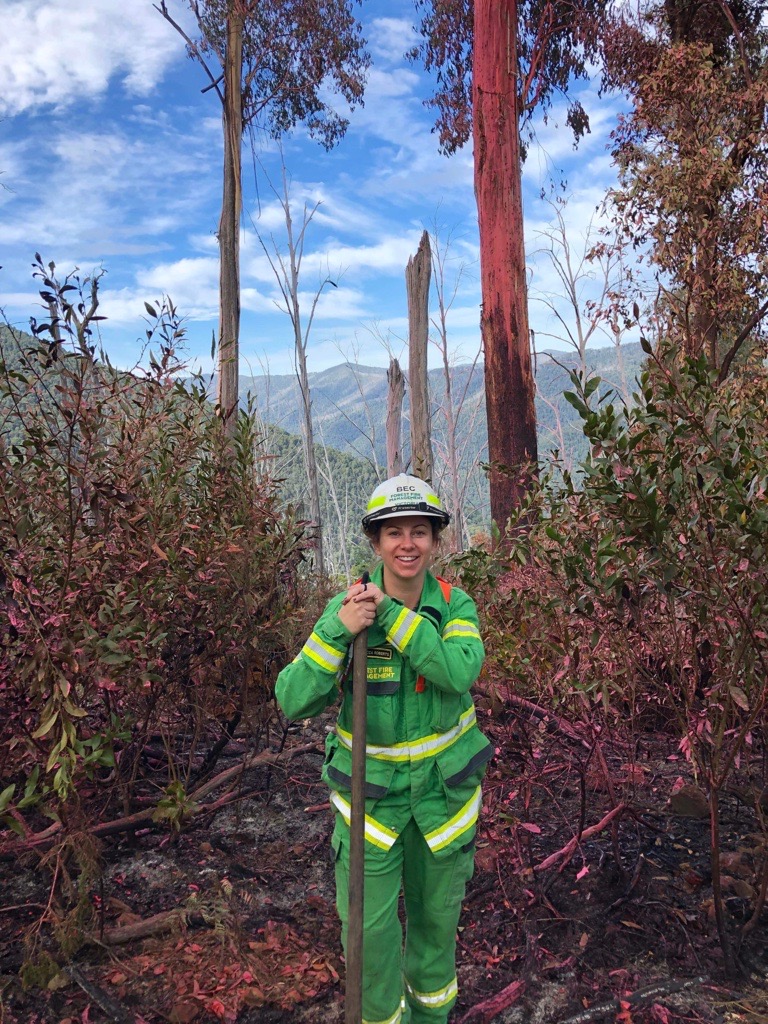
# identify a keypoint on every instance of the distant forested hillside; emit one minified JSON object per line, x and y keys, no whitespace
{"x":346,"y":481}
{"x":349,"y":409}
{"x":349,"y":403}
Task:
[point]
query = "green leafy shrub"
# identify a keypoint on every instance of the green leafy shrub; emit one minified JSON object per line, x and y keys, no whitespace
{"x":638,"y":592}
{"x":146,"y":566}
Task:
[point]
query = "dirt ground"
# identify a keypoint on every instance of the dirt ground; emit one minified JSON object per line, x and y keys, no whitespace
{"x":623,"y":930}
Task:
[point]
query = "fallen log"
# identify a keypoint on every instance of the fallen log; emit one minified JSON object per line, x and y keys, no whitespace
{"x":572,"y":845}
{"x":648,"y":994}
{"x":483,"y":1013}
{"x":115,"y":1012}
{"x":144,"y":818}
{"x":554,"y":722}
{"x":157,"y":924}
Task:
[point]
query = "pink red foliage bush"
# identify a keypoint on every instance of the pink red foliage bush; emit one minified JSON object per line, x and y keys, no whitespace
{"x":146,"y":566}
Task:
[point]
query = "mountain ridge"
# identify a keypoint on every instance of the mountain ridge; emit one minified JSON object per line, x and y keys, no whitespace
{"x":349,"y":400}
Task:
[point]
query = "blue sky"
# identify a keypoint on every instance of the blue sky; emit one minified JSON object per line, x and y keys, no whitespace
{"x":111,"y":158}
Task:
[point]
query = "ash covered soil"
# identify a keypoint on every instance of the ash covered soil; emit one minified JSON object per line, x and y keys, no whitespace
{"x":233,"y":918}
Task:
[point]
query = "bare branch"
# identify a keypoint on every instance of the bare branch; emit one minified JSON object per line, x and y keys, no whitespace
{"x":742,"y":336}
{"x":194,"y":49}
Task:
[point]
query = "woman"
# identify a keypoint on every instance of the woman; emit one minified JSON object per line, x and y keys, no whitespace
{"x":425,"y":755}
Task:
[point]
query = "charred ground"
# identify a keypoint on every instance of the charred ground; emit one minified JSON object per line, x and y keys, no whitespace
{"x":233,"y":919}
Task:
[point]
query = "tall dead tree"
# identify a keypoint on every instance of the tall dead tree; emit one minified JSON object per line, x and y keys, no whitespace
{"x":228,"y":391}
{"x":395,"y":395}
{"x":417,"y":277}
{"x":277,"y":60}
{"x":287,"y":270}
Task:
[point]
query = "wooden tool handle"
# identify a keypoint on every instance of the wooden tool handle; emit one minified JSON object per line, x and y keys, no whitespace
{"x":353,"y":1003}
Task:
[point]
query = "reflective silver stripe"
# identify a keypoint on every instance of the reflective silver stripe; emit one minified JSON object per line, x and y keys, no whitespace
{"x":438,"y":998}
{"x":460,"y":627}
{"x":457,"y":826}
{"x":415,"y":750}
{"x":403,"y":628}
{"x":323,"y":654}
{"x":375,"y":833}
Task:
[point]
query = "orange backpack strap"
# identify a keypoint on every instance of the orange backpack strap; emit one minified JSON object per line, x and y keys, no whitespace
{"x":445,"y":587}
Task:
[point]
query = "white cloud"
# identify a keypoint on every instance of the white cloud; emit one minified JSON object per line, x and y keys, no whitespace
{"x":331,"y":209}
{"x":390,"y":38}
{"x":270,"y":218}
{"x":124,"y":306}
{"x":337,"y":305}
{"x":388,"y":256}
{"x":385,"y":86}
{"x":104,"y":193}
{"x":463,"y":317}
{"x":11,"y":164}
{"x":29,"y":301}
{"x":192,"y":283}
{"x":407,"y":165}
{"x":392,"y":107}
{"x":554,"y":146}
{"x":265,"y":301}
{"x":55,"y":52}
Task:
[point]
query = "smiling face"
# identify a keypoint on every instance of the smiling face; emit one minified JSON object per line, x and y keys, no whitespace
{"x":405,"y":545}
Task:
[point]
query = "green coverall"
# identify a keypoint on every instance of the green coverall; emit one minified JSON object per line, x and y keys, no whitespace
{"x":425,"y":758}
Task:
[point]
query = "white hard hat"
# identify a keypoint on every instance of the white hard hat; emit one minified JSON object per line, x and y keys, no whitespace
{"x":404,"y":495}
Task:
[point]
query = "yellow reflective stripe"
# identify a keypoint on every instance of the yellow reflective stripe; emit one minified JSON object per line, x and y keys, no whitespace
{"x":323,"y":654}
{"x":415,"y":750}
{"x":334,"y":652}
{"x":461,"y":627}
{"x":376,"y":833}
{"x":396,"y":1017}
{"x":438,"y":998}
{"x":402,"y":629}
{"x":458,"y":825}
{"x":376,"y":503}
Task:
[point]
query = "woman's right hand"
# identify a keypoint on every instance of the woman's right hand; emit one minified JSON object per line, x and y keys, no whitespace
{"x":358,"y":609}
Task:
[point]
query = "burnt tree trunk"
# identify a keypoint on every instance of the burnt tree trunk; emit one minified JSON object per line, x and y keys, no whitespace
{"x":395,"y":394}
{"x":417,"y":276}
{"x":229,"y":226}
{"x":509,"y":384}
{"x":703,"y":333}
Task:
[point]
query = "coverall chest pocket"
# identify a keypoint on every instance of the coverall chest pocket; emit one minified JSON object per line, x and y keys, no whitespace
{"x":384,"y":674}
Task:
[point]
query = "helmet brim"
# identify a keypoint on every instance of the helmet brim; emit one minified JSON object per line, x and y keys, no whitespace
{"x":417,"y":509}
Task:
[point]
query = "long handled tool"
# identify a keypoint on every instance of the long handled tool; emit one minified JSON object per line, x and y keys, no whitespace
{"x":353,"y":1003}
